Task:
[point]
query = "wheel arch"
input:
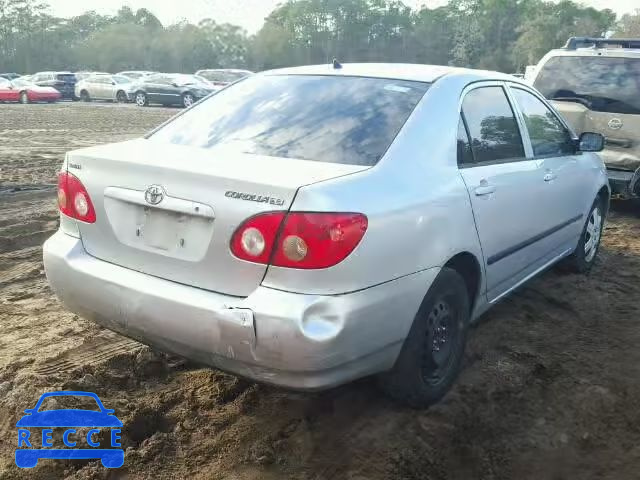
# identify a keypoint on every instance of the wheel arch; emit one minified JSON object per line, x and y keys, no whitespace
{"x":469,"y":268}
{"x":605,"y":194}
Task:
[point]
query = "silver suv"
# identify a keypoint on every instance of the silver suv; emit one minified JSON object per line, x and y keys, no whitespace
{"x":309,"y":226}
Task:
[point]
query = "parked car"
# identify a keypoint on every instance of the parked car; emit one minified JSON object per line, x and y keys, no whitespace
{"x":23,"y":91}
{"x":84,"y":75}
{"x":135,"y":74}
{"x":116,"y":88}
{"x":170,"y":89}
{"x":248,"y":232}
{"x":222,"y":77}
{"x":64,"y":82}
{"x":595,"y":84}
{"x":10,"y":76}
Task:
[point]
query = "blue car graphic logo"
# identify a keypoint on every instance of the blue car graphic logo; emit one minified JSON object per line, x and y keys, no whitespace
{"x":28,"y":452}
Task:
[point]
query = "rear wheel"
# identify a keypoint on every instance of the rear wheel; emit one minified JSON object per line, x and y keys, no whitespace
{"x":121,"y":97}
{"x":141,"y":99}
{"x":584,"y":256}
{"x":24,"y":97}
{"x":84,"y":96}
{"x":188,"y":100}
{"x":432,"y":353}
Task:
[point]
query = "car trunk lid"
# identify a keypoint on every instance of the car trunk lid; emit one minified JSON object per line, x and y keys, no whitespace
{"x":170,"y":210}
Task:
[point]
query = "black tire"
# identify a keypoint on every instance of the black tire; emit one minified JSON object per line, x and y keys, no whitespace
{"x":84,"y":96}
{"x":24,"y":98}
{"x":431,"y":358}
{"x":141,"y":99}
{"x":121,"y":97}
{"x":582,"y":258}
{"x":188,"y":100}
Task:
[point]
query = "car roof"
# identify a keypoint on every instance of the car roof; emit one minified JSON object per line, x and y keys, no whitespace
{"x":57,"y":72}
{"x":595,"y":52}
{"x":398,"y":71}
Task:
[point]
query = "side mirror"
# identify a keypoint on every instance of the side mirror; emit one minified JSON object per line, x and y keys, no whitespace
{"x":113,"y":83}
{"x":174,"y":84}
{"x":591,"y":142}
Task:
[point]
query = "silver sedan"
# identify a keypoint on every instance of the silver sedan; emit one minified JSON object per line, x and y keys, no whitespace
{"x":309,"y":226}
{"x":116,"y":88}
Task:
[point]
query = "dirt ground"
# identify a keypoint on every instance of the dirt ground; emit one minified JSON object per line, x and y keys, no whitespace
{"x":550,"y":387}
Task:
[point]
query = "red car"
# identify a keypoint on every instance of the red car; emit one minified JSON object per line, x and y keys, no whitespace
{"x":24,"y":91}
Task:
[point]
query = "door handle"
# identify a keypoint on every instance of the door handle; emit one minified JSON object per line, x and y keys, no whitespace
{"x":484,"y":189}
{"x":549,"y":176}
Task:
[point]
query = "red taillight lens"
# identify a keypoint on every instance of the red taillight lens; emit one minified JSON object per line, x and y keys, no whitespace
{"x":318,"y":240}
{"x":73,"y":198}
{"x":254,"y":239}
{"x":306,"y":240}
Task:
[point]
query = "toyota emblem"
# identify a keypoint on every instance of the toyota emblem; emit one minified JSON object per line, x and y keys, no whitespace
{"x":615,"y":124}
{"x":154,"y":194}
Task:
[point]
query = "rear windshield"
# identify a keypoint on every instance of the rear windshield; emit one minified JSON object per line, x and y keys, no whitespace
{"x":66,"y":77}
{"x":350,"y":120}
{"x":603,"y":84}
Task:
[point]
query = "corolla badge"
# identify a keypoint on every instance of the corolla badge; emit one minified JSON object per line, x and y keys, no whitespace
{"x":154,"y":194}
{"x":615,"y":124}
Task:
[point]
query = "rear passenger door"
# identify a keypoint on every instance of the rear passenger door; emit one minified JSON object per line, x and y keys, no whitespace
{"x":565,"y":196}
{"x":503,"y":184}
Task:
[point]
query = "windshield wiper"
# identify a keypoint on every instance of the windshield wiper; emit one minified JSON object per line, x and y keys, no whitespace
{"x":580,"y":100}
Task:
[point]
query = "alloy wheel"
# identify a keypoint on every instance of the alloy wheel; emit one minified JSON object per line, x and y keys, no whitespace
{"x":592,"y":234}
{"x":141,"y":99}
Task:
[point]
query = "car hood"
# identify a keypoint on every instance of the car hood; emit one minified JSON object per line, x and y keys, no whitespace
{"x":69,"y":418}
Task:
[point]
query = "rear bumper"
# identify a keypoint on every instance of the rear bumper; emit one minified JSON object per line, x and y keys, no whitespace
{"x":624,"y":182}
{"x":304,"y":342}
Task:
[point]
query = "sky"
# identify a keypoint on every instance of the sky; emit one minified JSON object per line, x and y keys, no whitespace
{"x":248,"y":14}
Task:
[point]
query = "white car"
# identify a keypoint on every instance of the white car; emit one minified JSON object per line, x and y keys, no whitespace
{"x":116,"y":88}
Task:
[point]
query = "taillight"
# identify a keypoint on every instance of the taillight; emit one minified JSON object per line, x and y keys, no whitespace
{"x":306,"y":240}
{"x":73,"y":198}
{"x":254,"y":239}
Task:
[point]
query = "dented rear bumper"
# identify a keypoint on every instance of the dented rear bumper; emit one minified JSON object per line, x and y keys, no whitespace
{"x":305,"y":342}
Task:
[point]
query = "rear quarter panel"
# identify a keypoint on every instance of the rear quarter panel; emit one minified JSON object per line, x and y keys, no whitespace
{"x":416,"y":203}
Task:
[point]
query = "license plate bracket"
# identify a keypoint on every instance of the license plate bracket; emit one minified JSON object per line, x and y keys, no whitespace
{"x":163,"y":230}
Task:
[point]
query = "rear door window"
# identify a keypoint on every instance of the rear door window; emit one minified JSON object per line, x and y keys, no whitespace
{"x":603,"y":84}
{"x":549,"y":138}
{"x":334,"y":119}
{"x":493,"y":128}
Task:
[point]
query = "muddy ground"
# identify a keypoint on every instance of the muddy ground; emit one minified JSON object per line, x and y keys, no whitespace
{"x":550,"y":388}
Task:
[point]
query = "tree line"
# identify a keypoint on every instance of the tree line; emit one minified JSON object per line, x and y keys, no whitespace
{"x":503,"y":35}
